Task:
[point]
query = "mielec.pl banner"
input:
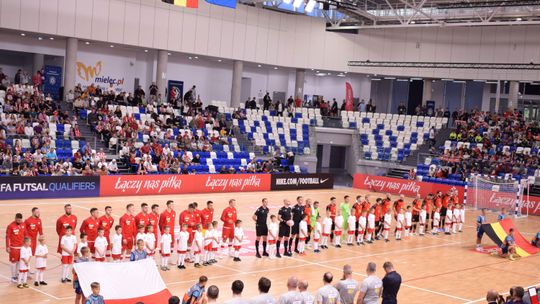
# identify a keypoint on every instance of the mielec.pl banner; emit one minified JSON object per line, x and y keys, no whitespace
{"x":24,"y":187}
{"x":53,"y":81}
{"x":291,"y":181}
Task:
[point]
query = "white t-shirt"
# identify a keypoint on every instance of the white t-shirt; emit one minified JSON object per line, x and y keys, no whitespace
{"x":327,"y":225}
{"x":408,"y":219}
{"x":457,"y":214}
{"x":462,"y":214}
{"x":362,"y":221}
{"x":387,"y":220}
{"x":351,"y":222}
{"x":182,"y":241}
{"x":318,"y":231}
{"x":166,"y":240}
{"x":371,"y":221}
{"x":339,"y":222}
{"x":423,"y":216}
{"x":26,"y":253}
{"x":215,"y":243}
{"x":238,"y":236}
{"x":449,"y":215}
{"x":69,"y":242}
{"x":116,"y":246}
{"x":101,"y":244}
{"x":140,"y":236}
{"x":198,"y":241}
{"x":150,"y":242}
{"x":80,"y":246}
{"x":400,"y":220}
{"x":436,"y":218}
{"x":208,"y":237}
{"x":303,"y":229}
{"x":273,"y":230}
{"x":41,"y":250}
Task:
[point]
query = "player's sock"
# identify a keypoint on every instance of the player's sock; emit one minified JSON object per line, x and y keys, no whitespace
{"x":296,"y":241}
{"x":385,"y":234}
{"x":25,"y":277}
{"x":301,"y":246}
{"x":460,"y":225}
{"x":237,"y":253}
{"x":181,"y":258}
{"x":198,"y":258}
{"x":230,"y":248}
{"x":264,"y":247}
{"x":315,"y":245}
{"x":278,"y":244}
{"x":286,"y":245}
{"x":20,"y":278}
{"x":64,"y":271}
{"x":257,"y":246}
{"x":368,"y":237}
{"x":14,"y":273}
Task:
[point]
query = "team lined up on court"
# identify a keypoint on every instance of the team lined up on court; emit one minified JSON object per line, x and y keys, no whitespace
{"x":198,"y":241}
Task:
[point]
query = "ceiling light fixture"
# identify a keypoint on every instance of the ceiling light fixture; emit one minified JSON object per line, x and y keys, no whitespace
{"x":23,"y":34}
{"x":87,"y":43}
{"x":146,"y":51}
{"x":112,"y":45}
{"x":40,"y":38}
{"x":51,"y":38}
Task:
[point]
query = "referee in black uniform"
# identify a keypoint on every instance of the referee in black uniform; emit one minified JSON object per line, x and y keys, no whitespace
{"x":297,"y":216}
{"x":284,"y":215}
{"x":261,"y":228}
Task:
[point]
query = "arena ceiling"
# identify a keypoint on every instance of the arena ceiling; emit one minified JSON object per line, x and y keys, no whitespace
{"x":371,"y":14}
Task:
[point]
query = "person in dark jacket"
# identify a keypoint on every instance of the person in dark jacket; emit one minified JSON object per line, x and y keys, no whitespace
{"x":391,"y":284}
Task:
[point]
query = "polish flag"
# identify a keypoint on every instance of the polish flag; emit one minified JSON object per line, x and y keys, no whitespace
{"x":124,"y":283}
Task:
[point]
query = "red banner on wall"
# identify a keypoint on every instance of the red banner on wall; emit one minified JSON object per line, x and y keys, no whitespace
{"x":398,"y":186}
{"x":349,"y":98}
{"x":125,"y":185}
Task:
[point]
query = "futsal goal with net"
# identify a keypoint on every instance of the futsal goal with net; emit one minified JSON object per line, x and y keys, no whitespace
{"x":495,"y":192}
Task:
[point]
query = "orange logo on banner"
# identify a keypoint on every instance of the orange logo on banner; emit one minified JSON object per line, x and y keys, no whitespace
{"x":88,"y":72}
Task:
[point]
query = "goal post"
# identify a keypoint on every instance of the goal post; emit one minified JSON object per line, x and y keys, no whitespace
{"x":494,"y":193}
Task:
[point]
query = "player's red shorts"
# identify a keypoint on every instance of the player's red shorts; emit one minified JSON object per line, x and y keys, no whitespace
{"x":399,"y":229}
{"x":99,"y":259}
{"x":215,"y":249}
{"x":360,"y":231}
{"x":33,"y":245}
{"x":237,"y":248}
{"x":227,"y":233}
{"x":271,"y":242}
{"x":407,"y":227}
{"x":326,"y":234}
{"x":116,"y":257}
{"x":337,"y":233}
{"x":128,"y":245}
{"x":41,"y":268}
{"x":165,"y":255}
{"x":197,"y":252}
{"x":302,"y":239}
{"x":23,"y":270}
{"x":208,"y":247}
{"x":91,"y":247}
{"x":108,"y":242}
{"x":370,"y":230}
{"x":181,"y":251}
{"x":67,"y":259}
{"x":191,"y":235}
{"x":351,"y":232}
{"x":386,"y":229}
{"x":14,"y":254}
{"x":447,"y":223}
{"x":315,"y":240}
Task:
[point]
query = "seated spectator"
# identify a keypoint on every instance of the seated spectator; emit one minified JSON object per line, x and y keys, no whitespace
{"x":237,"y":287}
{"x":536,"y":240}
{"x":113,"y":167}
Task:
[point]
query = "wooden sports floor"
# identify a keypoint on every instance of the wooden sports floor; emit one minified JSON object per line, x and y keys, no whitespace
{"x":435,"y":269}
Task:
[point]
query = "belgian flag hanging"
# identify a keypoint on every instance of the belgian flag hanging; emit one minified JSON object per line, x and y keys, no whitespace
{"x":183,"y":3}
{"x":499,"y":230}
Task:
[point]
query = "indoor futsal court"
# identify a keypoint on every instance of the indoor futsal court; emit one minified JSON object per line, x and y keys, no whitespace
{"x":437,"y":269}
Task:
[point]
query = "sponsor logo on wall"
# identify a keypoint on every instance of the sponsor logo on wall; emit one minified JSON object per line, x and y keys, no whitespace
{"x":302,"y":181}
{"x":94,"y":73}
{"x":18,"y":187}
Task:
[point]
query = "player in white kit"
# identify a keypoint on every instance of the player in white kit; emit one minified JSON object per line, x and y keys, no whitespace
{"x":273,"y":235}
{"x":24,"y":263}
{"x":198,"y":244}
{"x":150,"y":241}
{"x":351,"y":224}
{"x":338,"y":228}
{"x":182,"y":246}
{"x":166,"y":248}
{"x":327,"y":229}
{"x":370,"y":225}
{"x":100,"y":246}
{"x":116,"y":244}
{"x":41,"y":261}
{"x":317,"y":234}
{"x":238,"y":240}
{"x":456,"y":218}
{"x":387,"y":224}
{"x":422,"y":220}
{"x":448,"y":219}
{"x":400,"y":223}
{"x":303,"y":235}
{"x":408,"y":221}
{"x":436,"y":221}
{"x":362,"y":226}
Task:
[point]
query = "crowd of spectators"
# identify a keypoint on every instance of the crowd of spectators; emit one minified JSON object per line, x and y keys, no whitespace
{"x":516,"y":295}
{"x":489,"y":143}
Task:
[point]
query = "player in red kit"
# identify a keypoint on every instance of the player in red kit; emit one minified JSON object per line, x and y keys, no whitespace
{"x":228,"y":217}
{"x":15,"y":233}
{"x":90,"y":227}
{"x":129,"y":230}
{"x":142,"y":217}
{"x":106,"y":222}
{"x":153,"y":219}
{"x":65,"y":220}
{"x":207,"y":214}
{"x":167,"y":218}
{"x":34,"y":228}
{"x":197,"y":214}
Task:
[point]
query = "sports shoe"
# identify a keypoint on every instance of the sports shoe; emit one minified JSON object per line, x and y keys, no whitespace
{"x":205,"y":264}
{"x":338,"y":246}
{"x":63,"y":280}
{"x":181,"y":267}
{"x":258,"y":255}
{"x":14,"y":280}
{"x":43,"y":283}
{"x":68,"y":280}
{"x":237,"y":260}
{"x":386,"y":240}
{"x":197,"y":265}
{"x":289,"y":254}
{"x":36,"y":283}
{"x":25,"y":285}
{"x":278,"y":255}
{"x":20,"y":286}
{"x":265,"y":254}
{"x":317,"y":251}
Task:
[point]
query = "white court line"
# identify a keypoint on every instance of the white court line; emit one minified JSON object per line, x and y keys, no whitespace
{"x":502,"y":294}
{"x":34,"y":289}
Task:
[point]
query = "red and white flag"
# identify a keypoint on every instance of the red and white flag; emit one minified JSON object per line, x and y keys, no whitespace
{"x":124,"y":283}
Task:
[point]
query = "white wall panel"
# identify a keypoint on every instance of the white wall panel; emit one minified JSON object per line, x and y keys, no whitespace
{"x":239,"y":38}
{"x":146,"y":26}
{"x":202,"y":32}
{"x":261,"y":45}
{"x":161,"y":28}
{"x":100,"y":20}
{"x":227,"y":38}
{"x":250,"y":42}
{"x":215,"y":31}
{"x":271,"y":49}
{"x":10,"y":13}
{"x":83,"y":18}
{"x":48,"y":16}
{"x":66,"y":17}
{"x":30,"y":15}
{"x":188,"y":33}
{"x":175,"y":30}
{"x":116,"y":21}
{"x":131,"y":24}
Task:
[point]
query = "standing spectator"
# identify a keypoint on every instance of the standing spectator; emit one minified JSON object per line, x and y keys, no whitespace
{"x":196,"y":292}
{"x":493,"y":297}
{"x":36,"y":80}
{"x":402,"y":109}
{"x":18,"y":76}
{"x":263,"y":297}
{"x":391,"y":283}
{"x":432,"y":136}
{"x":237,"y":287}
{"x":292,"y":295}
{"x":153,"y":89}
{"x":211,"y":295}
{"x":370,"y":290}
{"x":266,"y":101}
{"x":347,"y":287}
{"x":307,"y":297}
{"x":371,"y":107}
{"x":362,"y":106}
{"x":328,"y":294}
